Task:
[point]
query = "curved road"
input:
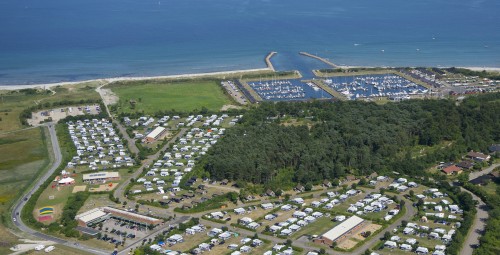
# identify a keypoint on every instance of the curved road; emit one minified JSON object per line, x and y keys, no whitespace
{"x":21,"y":202}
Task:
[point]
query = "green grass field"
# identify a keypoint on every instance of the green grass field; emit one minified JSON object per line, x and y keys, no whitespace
{"x":180,"y":96}
{"x":23,"y":155}
{"x":12,"y":103}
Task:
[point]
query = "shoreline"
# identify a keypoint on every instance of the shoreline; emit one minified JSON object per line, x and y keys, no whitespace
{"x":194,"y":75}
{"x":134,"y":78}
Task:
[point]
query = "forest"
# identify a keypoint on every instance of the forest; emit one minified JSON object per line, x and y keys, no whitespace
{"x":280,"y":144}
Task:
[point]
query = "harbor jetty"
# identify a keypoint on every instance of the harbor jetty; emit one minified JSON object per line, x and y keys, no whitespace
{"x":319,"y":58}
{"x":268,"y":60}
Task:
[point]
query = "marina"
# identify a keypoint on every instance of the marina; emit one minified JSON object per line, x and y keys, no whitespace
{"x":382,"y":85}
{"x":288,"y":90}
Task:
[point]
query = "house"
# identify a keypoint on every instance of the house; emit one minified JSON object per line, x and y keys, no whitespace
{"x":299,"y":188}
{"x":477,"y":156}
{"x":224,"y":182}
{"x":350,"y":178}
{"x":494,"y":148}
{"x":466,"y":165}
{"x":326,"y":184}
{"x":270,"y":193}
{"x":453,"y":169}
{"x":372,"y":175}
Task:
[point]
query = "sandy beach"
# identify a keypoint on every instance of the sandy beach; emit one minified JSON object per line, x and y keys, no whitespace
{"x":180,"y":76}
{"x":109,"y":80}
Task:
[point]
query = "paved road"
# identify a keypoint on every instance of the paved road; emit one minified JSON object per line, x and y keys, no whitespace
{"x":477,"y":229}
{"x":21,"y":203}
{"x":148,"y":161}
{"x":131,"y":142}
{"x":487,"y":170}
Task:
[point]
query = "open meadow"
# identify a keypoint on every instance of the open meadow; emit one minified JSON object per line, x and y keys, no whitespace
{"x":23,"y":155}
{"x":151,"y":97}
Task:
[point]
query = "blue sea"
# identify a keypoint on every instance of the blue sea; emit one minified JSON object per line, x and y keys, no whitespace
{"x":44,"y":41}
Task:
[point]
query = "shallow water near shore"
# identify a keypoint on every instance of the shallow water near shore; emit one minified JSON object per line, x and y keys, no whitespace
{"x":55,"y":40}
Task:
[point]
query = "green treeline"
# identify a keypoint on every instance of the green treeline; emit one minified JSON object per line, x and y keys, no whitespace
{"x":350,"y":138}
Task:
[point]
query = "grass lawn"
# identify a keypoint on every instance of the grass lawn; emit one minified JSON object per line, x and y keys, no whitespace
{"x":22,"y":156}
{"x":57,"y":196}
{"x":318,"y":227}
{"x":12,"y":103}
{"x":160,"y":96}
{"x":61,"y":250}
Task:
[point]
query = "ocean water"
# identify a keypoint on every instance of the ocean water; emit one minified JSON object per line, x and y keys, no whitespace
{"x":60,"y":40}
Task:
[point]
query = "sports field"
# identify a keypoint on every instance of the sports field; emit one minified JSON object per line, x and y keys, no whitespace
{"x":165,"y":96}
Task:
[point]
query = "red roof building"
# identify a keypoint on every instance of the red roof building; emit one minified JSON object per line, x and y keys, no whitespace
{"x":453,"y":169}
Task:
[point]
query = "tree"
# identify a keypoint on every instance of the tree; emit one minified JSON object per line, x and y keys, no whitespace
{"x":267,"y":229}
{"x":362,"y":181}
{"x":278,"y":192}
{"x":387,"y":235}
{"x":322,"y":251}
{"x":334,"y":244}
{"x":412,"y":193}
{"x":382,"y":191}
{"x":287,"y":197}
{"x":404,"y":222}
{"x":463,"y":178}
{"x":308,"y":186}
{"x":288,"y":242}
{"x":354,"y":186}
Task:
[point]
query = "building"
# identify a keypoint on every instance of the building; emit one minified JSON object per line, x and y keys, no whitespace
{"x":477,"y":156}
{"x":156,"y":134}
{"x":101,"y":177}
{"x":340,"y":231}
{"x":66,"y":181}
{"x":453,"y":169}
{"x":131,"y":217}
{"x":91,"y":217}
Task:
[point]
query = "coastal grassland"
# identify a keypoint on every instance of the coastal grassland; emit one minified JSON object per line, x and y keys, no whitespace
{"x":23,"y":155}
{"x":153,"y":96}
{"x":12,"y":103}
{"x":61,"y":250}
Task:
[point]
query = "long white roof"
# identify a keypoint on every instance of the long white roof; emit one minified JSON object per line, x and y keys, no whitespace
{"x":342,"y":228}
{"x":101,"y":175}
{"x":156,"y":132}
{"x":90,"y":215}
